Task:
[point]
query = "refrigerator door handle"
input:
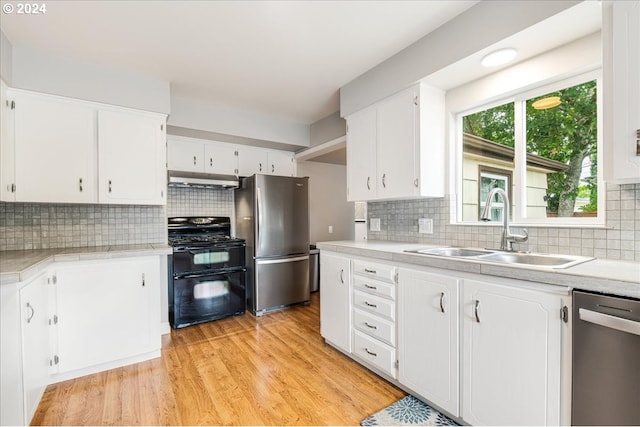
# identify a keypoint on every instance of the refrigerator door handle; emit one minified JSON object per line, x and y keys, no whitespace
{"x":282,"y":260}
{"x":259,"y":215}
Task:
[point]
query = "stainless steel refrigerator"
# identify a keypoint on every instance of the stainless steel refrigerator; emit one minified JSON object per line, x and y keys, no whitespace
{"x":272,"y":215}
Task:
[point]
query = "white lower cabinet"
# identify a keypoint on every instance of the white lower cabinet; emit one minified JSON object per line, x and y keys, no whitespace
{"x":335,"y":300}
{"x":512,"y":354}
{"x":486,"y":350}
{"x":109,"y":311}
{"x":428,"y":337}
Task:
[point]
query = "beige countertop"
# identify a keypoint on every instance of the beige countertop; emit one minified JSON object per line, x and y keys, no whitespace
{"x":598,"y":275}
{"x":18,"y":266}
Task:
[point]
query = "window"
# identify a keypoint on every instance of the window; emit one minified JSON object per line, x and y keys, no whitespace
{"x":542,"y":148}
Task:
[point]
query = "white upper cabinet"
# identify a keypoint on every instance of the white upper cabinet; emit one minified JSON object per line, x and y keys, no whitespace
{"x":132,"y":157}
{"x":7,"y":147}
{"x":55,"y":150}
{"x":214,"y":157}
{"x":221,"y":159}
{"x":395,"y":148}
{"x":62,"y":150}
{"x":186,"y":156}
{"x":622,"y":154}
{"x":281,"y":163}
{"x":361,"y":155}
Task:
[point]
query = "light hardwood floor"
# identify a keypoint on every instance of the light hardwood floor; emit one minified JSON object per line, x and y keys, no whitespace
{"x":272,"y":370}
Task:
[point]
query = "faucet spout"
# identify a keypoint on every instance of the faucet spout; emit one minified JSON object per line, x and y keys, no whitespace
{"x":507,"y":238}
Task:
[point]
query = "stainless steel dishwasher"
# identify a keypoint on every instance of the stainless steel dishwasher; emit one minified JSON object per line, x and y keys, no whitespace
{"x":606,"y":360}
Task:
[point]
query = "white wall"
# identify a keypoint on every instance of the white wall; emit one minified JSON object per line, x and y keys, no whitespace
{"x":473,"y":30}
{"x":6,"y":59}
{"x":51,"y":74}
{"x":328,"y":201}
{"x":195,"y":114}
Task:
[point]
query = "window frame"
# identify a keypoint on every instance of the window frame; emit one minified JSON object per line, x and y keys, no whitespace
{"x":518,"y":198}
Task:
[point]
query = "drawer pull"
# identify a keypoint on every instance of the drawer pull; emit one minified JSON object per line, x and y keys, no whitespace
{"x":476,"y":311}
{"x":370,"y":352}
{"x":370,"y":287}
{"x":370,"y":326}
{"x":442,"y":302}
{"x":342,"y":276}
{"x":368,"y":304}
{"x":366,"y":270}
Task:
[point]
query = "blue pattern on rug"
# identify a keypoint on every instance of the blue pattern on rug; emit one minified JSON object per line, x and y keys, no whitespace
{"x":408,"y":411}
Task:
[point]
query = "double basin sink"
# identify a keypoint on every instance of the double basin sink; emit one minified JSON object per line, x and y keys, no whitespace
{"x":503,"y":257}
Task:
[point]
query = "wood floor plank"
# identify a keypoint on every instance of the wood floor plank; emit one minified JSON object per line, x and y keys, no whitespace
{"x":245,"y":370}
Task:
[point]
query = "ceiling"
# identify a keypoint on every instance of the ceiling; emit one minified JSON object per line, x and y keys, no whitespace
{"x":284,"y":59}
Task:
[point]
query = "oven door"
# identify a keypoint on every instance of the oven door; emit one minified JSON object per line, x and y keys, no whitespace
{"x":191,"y":259}
{"x":201,"y":298}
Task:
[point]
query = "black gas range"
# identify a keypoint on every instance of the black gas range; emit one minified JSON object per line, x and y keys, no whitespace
{"x":207,"y":274}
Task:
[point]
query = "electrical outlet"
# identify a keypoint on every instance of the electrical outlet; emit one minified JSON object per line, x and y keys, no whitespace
{"x":374,"y":224}
{"x":331,"y":229}
{"x":425,"y":225}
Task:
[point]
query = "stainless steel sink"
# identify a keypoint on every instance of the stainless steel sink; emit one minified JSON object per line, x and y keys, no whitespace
{"x":503,"y":257}
{"x":557,"y":261}
{"x":452,"y":252}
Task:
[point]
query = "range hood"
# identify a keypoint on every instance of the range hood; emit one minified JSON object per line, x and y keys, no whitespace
{"x":199,"y":179}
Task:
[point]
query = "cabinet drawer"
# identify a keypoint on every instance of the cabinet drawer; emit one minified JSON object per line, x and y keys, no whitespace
{"x":384,"y":289}
{"x":374,"y":270}
{"x":375,"y":326}
{"x":376,"y":353}
{"x":374,"y":304}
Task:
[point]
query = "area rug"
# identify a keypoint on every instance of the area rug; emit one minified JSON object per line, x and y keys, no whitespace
{"x":408,"y":411}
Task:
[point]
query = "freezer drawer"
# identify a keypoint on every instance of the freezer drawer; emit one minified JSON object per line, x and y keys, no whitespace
{"x":280,"y":282}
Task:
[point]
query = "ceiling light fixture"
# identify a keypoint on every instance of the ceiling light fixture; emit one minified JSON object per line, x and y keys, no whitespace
{"x":546,"y":103}
{"x":499,"y":57}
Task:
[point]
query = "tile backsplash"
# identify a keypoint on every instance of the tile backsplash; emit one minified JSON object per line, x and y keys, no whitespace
{"x":194,"y":201}
{"x":45,"y":226}
{"x":620,"y":240}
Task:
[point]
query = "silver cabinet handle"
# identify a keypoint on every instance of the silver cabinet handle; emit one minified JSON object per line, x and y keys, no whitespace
{"x":637,"y":142}
{"x":109,"y":186}
{"x":370,"y":352}
{"x":194,"y":160}
{"x":143,"y":280}
{"x":415,"y":182}
{"x":210,"y":161}
{"x":368,"y":286}
{"x":370,"y":326}
{"x":368,"y":183}
{"x":80,"y":184}
{"x":342,"y":276}
{"x":33,"y":312}
{"x":260,"y":167}
{"x":368,"y":304}
{"x":609,"y":321}
{"x":384,"y":177}
{"x":366,"y":270}
{"x":273,"y":168}
{"x":476,"y":310}
{"x":442,"y":302}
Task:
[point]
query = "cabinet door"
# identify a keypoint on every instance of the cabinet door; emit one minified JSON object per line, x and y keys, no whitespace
{"x":107,"y":311}
{"x":428,"y":336}
{"x":361,"y":156}
{"x":7,"y":147}
{"x":35,"y":342}
{"x":281,"y":163}
{"x":397,"y":155}
{"x":11,"y":390}
{"x":252,"y":161}
{"x":511,"y":355}
{"x":55,"y":150}
{"x":220,"y":158}
{"x":335,"y":300}
{"x":185,"y":156}
{"x":132,"y":153}
{"x":622,"y":156}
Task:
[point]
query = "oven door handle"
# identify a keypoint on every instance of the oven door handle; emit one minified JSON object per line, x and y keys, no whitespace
{"x":218,"y":272}
{"x":282,"y":260}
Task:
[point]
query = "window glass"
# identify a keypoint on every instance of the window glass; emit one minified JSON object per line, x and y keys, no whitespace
{"x":562,"y":155}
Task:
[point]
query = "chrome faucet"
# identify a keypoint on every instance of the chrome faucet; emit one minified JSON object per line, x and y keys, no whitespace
{"x":507,"y":238}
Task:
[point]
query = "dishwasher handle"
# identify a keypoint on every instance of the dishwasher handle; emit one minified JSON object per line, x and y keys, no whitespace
{"x":608,"y":321}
